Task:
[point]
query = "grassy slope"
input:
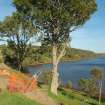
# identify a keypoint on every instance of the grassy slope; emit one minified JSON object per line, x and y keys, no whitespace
{"x":67,"y":97}
{"x":15,"y":99}
{"x":72,"y":97}
{"x":7,"y":98}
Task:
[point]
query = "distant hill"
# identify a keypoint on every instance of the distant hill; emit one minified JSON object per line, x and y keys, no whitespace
{"x":44,"y":54}
{"x":76,"y":54}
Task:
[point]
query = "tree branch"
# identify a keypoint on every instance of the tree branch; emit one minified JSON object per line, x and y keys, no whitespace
{"x":74,"y":28}
{"x":61,"y":53}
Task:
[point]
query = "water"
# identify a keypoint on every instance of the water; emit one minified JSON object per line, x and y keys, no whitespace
{"x":72,"y":70}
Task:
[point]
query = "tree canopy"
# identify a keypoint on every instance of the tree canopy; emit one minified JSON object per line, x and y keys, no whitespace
{"x":57,"y":17}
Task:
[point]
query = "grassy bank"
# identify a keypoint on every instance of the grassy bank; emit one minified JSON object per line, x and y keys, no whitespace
{"x":7,"y":98}
{"x":72,"y":97}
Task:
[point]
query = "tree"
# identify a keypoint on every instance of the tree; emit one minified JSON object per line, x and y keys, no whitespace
{"x":88,"y":86}
{"x":17,"y":32}
{"x":97,"y":74}
{"x":57,"y":19}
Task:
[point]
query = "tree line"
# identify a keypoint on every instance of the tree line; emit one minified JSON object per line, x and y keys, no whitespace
{"x":39,"y":55}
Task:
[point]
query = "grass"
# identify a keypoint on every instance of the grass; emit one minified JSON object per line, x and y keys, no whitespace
{"x":72,"y":97}
{"x":7,"y":98}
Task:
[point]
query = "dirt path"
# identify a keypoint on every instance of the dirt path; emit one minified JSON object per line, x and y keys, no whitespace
{"x":41,"y":97}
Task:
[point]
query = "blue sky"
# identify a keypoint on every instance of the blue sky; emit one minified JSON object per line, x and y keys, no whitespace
{"x":90,"y":37}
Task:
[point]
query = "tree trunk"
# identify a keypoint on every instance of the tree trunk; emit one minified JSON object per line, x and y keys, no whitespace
{"x":54,"y":84}
{"x":100,"y":92}
{"x":55,"y":76}
{"x":19,"y":67}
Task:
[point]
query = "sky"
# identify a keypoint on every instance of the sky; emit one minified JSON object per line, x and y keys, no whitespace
{"x":91,"y":36}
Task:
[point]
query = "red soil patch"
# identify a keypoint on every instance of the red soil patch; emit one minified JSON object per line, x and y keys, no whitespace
{"x":18,"y":82}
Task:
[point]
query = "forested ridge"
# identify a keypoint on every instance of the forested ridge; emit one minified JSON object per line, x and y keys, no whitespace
{"x":42,"y":54}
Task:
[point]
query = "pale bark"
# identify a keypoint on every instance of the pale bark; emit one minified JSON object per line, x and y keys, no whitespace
{"x":100,"y":92}
{"x":55,"y":76}
{"x":54,"y":84}
{"x":61,"y":54}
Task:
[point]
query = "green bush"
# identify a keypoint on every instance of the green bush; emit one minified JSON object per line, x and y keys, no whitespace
{"x":69,"y":84}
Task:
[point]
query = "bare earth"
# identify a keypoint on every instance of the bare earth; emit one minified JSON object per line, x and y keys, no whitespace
{"x":41,"y":96}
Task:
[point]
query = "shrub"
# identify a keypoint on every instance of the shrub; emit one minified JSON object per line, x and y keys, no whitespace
{"x":69,"y":84}
{"x":46,"y":77}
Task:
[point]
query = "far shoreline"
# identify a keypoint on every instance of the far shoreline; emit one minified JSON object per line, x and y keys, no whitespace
{"x":38,"y":64}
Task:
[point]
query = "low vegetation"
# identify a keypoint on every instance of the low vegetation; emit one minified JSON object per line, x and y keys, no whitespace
{"x":7,"y":98}
{"x":71,"y":97}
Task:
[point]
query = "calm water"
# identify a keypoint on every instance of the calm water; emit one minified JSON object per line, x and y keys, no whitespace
{"x":72,"y":70}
